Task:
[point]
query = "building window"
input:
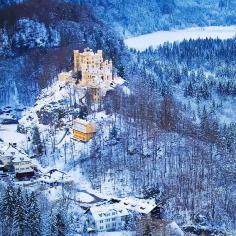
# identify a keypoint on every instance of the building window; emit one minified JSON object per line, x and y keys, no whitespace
{"x":101,"y":221}
{"x":113,"y":219}
{"x":101,"y":227}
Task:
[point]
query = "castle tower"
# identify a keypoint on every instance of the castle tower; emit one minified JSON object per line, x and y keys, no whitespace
{"x":99,"y":54}
{"x":76,"y":60}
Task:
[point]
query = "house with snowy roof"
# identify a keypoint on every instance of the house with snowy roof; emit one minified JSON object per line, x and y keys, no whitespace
{"x":145,"y":207}
{"x":114,"y":214}
{"x":107,"y":217}
{"x":23,"y":166}
{"x":83,"y":130}
{"x":8,"y":153}
{"x":20,"y":161}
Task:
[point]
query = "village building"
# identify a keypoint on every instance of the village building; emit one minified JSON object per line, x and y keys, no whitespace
{"x":17,"y":161}
{"x":121,"y":212}
{"x":107,"y":217}
{"x":83,"y":130}
{"x":7,"y":154}
{"x":144,"y":207}
{"x":23,"y":166}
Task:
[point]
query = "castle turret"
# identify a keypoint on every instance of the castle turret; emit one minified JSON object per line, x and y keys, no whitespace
{"x":76,"y":60}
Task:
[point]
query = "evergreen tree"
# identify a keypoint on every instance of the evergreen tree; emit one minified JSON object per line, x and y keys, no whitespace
{"x":113,"y":132}
{"x":7,"y":208}
{"x":33,"y":216}
{"x":36,"y":141}
{"x":19,"y":214}
{"x":58,"y":225}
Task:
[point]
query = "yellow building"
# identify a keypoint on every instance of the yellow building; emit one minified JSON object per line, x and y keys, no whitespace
{"x":92,"y":67}
{"x":83,"y":130}
{"x":92,"y":73}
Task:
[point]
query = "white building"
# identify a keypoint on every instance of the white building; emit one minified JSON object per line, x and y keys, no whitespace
{"x":8,"y":153}
{"x":23,"y":166}
{"x":107,"y":217}
{"x":11,"y":156}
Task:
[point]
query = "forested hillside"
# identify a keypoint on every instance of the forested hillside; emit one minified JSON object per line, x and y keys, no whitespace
{"x":176,"y":132}
{"x":140,"y":17}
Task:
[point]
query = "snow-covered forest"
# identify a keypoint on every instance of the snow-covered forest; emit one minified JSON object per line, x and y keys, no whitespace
{"x":167,"y":132}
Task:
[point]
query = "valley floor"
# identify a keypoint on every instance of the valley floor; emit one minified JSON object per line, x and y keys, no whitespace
{"x":160,"y":37}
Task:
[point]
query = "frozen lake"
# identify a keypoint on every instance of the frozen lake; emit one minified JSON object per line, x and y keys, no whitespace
{"x":158,"y":38}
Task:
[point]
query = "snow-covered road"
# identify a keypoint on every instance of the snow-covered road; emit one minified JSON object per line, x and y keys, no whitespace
{"x":158,"y":38}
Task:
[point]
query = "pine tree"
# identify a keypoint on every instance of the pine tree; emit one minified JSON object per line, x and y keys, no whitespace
{"x":7,"y":208}
{"x":58,"y":225}
{"x":32,"y":215}
{"x":113,"y":132}
{"x":36,"y":141}
{"x":19,"y":215}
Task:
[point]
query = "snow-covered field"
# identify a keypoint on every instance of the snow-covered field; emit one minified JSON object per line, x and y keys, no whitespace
{"x":158,"y":38}
{"x":9,"y":134}
{"x":121,"y":233}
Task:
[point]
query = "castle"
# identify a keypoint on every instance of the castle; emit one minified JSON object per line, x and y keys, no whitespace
{"x":93,"y":74}
{"x":92,"y":71}
{"x":91,"y":65}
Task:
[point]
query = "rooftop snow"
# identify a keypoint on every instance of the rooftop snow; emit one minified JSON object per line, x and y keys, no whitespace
{"x":144,"y":206}
{"x":106,"y":210}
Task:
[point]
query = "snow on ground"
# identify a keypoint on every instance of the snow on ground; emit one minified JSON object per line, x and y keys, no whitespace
{"x":9,"y":134}
{"x":175,"y":229}
{"x":120,"y":233}
{"x":54,"y":193}
{"x":160,"y":37}
{"x":84,"y":197}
